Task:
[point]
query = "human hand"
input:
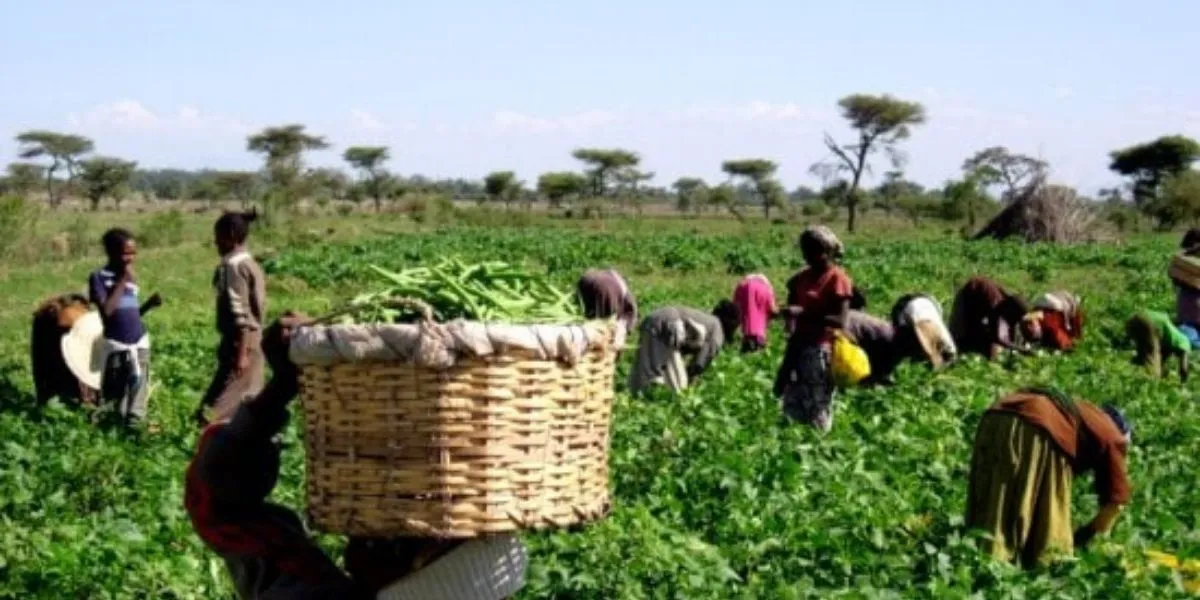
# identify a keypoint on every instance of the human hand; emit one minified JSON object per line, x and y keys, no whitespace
{"x":277,"y":339}
{"x":155,"y":301}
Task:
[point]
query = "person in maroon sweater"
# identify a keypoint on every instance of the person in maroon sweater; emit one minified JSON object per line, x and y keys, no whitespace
{"x":264,"y":545}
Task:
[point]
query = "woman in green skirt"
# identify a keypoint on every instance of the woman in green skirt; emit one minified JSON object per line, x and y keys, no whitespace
{"x":1029,"y":448}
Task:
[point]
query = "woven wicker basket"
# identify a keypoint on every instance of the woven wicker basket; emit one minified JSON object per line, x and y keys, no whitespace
{"x":1185,"y":269}
{"x":499,"y":440}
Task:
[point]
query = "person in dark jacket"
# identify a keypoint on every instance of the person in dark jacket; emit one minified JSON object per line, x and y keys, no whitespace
{"x":670,"y":334}
{"x":604,"y":293}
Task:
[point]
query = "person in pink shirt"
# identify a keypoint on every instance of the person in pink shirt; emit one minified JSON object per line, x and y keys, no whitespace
{"x":756,"y":299}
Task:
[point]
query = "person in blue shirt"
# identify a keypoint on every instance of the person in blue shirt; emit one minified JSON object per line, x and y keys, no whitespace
{"x":113,"y":289}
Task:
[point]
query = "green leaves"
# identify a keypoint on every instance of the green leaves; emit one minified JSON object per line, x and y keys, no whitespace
{"x":715,"y":496}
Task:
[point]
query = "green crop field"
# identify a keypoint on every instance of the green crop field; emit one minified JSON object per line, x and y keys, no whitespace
{"x":714,"y":495}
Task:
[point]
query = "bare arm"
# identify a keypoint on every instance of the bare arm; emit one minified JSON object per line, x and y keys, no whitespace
{"x":1101,"y":524}
{"x":837,"y":319}
{"x":110,"y":300}
{"x":1003,"y":340}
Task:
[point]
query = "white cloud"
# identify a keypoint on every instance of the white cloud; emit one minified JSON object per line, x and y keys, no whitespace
{"x":508,"y":121}
{"x":1063,"y":91}
{"x":755,"y":110}
{"x":122,"y":113}
{"x":365,"y":121}
{"x":133,"y":116}
{"x":787,"y":111}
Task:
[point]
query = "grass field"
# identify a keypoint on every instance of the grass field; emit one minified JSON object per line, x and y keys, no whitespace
{"x":714,"y":496}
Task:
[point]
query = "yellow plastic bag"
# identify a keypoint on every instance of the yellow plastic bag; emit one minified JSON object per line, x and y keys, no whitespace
{"x":850,"y":364}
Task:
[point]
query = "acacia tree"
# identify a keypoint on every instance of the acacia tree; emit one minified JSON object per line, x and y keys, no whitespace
{"x":283,"y":148}
{"x":1178,"y":202}
{"x":558,"y":185}
{"x":369,"y":161}
{"x":24,"y":177}
{"x":724,"y":196}
{"x":689,"y":193}
{"x":236,"y":184}
{"x":603,"y":163}
{"x":502,"y":186}
{"x":63,"y":150}
{"x":881,"y":122}
{"x":629,"y":181}
{"x":998,"y":166}
{"x":1151,"y":163}
{"x":103,"y":176}
{"x":759,"y":173}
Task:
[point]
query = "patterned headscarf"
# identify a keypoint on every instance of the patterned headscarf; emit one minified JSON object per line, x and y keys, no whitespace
{"x":824,"y":238}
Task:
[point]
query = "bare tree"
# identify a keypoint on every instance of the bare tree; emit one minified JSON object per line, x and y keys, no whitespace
{"x":881,"y":122}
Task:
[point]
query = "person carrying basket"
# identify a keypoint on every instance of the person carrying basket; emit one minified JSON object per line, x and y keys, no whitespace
{"x":264,"y":545}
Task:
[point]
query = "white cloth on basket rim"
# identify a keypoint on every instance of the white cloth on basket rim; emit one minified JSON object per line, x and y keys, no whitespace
{"x":439,"y":345}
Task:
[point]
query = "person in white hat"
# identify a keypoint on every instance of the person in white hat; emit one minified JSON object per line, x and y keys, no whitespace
{"x":919,"y":320}
{"x":265,"y":547}
{"x":53,"y":376}
{"x":126,"y":351}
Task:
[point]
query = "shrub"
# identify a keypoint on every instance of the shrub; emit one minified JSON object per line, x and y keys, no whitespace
{"x":16,"y":218}
{"x":163,"y":229}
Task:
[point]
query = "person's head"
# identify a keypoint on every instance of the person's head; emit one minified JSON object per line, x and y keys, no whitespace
{"x":819,"y":246}
{"x":1122,"y":423}
{"x":1031,"y":326}
{"x":232,"y":229}
{"x":730,"y":317}
{"x":1191,"y":240}
{"x":119,"y":246}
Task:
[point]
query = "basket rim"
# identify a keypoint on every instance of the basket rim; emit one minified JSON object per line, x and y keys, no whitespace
{"x":442,"y":345}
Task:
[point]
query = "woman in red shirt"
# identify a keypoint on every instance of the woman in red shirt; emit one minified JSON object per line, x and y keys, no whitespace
{"x":818,"y":300}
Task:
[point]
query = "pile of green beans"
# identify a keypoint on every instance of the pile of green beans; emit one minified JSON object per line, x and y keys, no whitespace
{"x":491,"y":291}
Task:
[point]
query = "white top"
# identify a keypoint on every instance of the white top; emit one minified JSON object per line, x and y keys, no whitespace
{"x":923,"y":308}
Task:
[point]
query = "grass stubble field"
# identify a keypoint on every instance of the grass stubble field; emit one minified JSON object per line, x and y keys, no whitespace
{"x":714,"y":496}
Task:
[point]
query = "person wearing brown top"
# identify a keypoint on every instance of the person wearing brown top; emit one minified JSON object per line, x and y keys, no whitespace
{"x":986,"y":319}
{"x":1028,"y":449}
{"x":241,"y":293}
{"x":604,"y":293}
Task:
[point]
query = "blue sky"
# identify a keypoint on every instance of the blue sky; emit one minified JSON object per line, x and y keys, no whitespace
{"x":460,"y":88}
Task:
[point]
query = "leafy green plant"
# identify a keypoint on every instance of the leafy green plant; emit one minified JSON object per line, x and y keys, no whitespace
{"x":714,"y":496}
{"x":164,"y":229}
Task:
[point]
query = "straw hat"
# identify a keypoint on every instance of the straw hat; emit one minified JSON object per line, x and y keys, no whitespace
{"x":488,"y":568}
{"x":83,"y":349}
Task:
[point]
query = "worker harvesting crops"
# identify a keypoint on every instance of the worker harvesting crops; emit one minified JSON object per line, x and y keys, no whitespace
{"x":1029,"y":448}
